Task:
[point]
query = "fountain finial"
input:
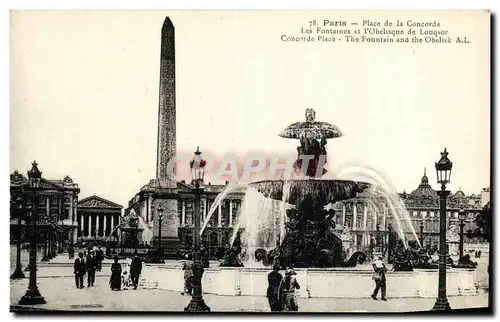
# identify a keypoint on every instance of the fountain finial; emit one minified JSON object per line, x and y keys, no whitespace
{"x":310,"y":115}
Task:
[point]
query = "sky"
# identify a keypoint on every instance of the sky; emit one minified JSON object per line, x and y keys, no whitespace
{"x":84,"y":94}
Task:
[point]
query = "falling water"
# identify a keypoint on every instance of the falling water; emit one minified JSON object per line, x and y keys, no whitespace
{"x":258,"y":216}
{"x":147,"y":233}
{"x":382,"y":188}
{"x":112,"y":231}
{"x":218,"y":199}
{"x":286,"y":196}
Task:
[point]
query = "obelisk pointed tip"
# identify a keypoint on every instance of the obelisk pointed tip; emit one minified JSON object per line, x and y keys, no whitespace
{"x":168,"y":24}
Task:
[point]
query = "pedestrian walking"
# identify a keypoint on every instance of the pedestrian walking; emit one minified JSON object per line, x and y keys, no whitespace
{"x":79,"y":270}
{"x":273,"y":295}
{"x":379,"y":270}
{"x":99,"y":256}
{"x":188,"y":267}
{"x":91,"y":267}
{"x":115,"y":281}
{"x":135,"y":270}
{"x":479,"y":254}
{"x":288,"y":298}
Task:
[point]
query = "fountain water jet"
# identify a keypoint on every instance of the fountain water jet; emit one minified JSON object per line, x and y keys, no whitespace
{"x":382,"y":189}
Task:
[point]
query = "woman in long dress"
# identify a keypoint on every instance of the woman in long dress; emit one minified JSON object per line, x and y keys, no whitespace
{"x":287,"y":291}
{"x":115,"y":281}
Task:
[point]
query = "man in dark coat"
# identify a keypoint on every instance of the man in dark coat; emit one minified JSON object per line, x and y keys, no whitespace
{"x":135,"y":270}
{"x":91,"y":266}
{"x":79,"y":270}
{"x":99,"y":256}
{"x":274,"y":280}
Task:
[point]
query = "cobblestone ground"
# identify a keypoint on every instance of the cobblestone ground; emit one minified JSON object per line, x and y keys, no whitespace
{"x":56,"y":283}
{"x":61,"y":294}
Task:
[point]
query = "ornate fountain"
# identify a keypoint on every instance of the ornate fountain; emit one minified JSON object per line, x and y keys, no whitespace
{"x":309,"y":239}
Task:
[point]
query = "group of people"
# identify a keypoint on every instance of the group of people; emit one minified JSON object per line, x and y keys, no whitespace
{"x":281,"y":291}
{"x":282,"y":296}
{"x":121,"y":278}
{"x":87,"y":264}
{"x":90,"y":262}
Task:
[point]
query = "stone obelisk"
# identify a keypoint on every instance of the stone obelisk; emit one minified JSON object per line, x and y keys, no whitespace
{"x":166,"y":189}
{"x":166,"y":108}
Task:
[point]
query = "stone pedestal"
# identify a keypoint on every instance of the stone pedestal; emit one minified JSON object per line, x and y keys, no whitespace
{"x":170,"y":222}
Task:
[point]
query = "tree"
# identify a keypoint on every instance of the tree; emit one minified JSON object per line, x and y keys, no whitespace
{"x":483,"y":221}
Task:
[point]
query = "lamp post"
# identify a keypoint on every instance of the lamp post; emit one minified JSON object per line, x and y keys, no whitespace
{"x":422,"y":233}
{"x":160,"y":217}
{"x":461,"y":217}
{"x":377,"y":238}
{"x":52,"y":240}
{"x":136,"y":225}
{"x":18,"y":208}
{"x":197,"y":304}
{"x":32,"y":295}
{"x":389,"y":243}
{"x":46,"y":244}
{"x":443,"y":171}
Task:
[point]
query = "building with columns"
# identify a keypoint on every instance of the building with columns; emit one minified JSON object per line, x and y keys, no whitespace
{"x":57,"y":207}
{"x":98,"y":219}
{"x":220,"y":225}
{"x":366,"y":218}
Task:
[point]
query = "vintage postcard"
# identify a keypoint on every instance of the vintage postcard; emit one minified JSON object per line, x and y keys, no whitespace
{"x":250,"y":161}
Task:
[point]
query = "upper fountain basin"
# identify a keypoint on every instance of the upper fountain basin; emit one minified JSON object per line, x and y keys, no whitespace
{"x":324,"y":191}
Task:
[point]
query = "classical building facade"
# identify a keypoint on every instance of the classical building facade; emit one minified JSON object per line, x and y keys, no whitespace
{"x":98,"y":219}
{"x":367,"y":219}
{"x":56,"y":211}
{"x":220,"y":224}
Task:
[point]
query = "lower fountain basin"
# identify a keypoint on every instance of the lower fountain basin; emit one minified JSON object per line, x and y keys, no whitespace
{"x":315,"y":283}
{"x":323,"y":191}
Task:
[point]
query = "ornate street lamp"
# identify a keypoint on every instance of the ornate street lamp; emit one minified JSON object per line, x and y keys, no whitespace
{"x":197,"y":304}
{"x":160,"y":217}
{"x":443,"y":171}
{"x":19,"y":209}
{"x":33,"y":295}
{"x":462,"y":216}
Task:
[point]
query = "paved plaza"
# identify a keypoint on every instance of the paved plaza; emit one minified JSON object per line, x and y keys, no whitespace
{"x":61,"y":294}
{"x":56,"y":283}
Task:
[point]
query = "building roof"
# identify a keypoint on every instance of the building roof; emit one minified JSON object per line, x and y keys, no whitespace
{"x":424,"y":194}
{"x":97,"y":202}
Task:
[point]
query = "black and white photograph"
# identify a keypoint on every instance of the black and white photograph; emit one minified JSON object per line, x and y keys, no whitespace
{"x":250,"y":161}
